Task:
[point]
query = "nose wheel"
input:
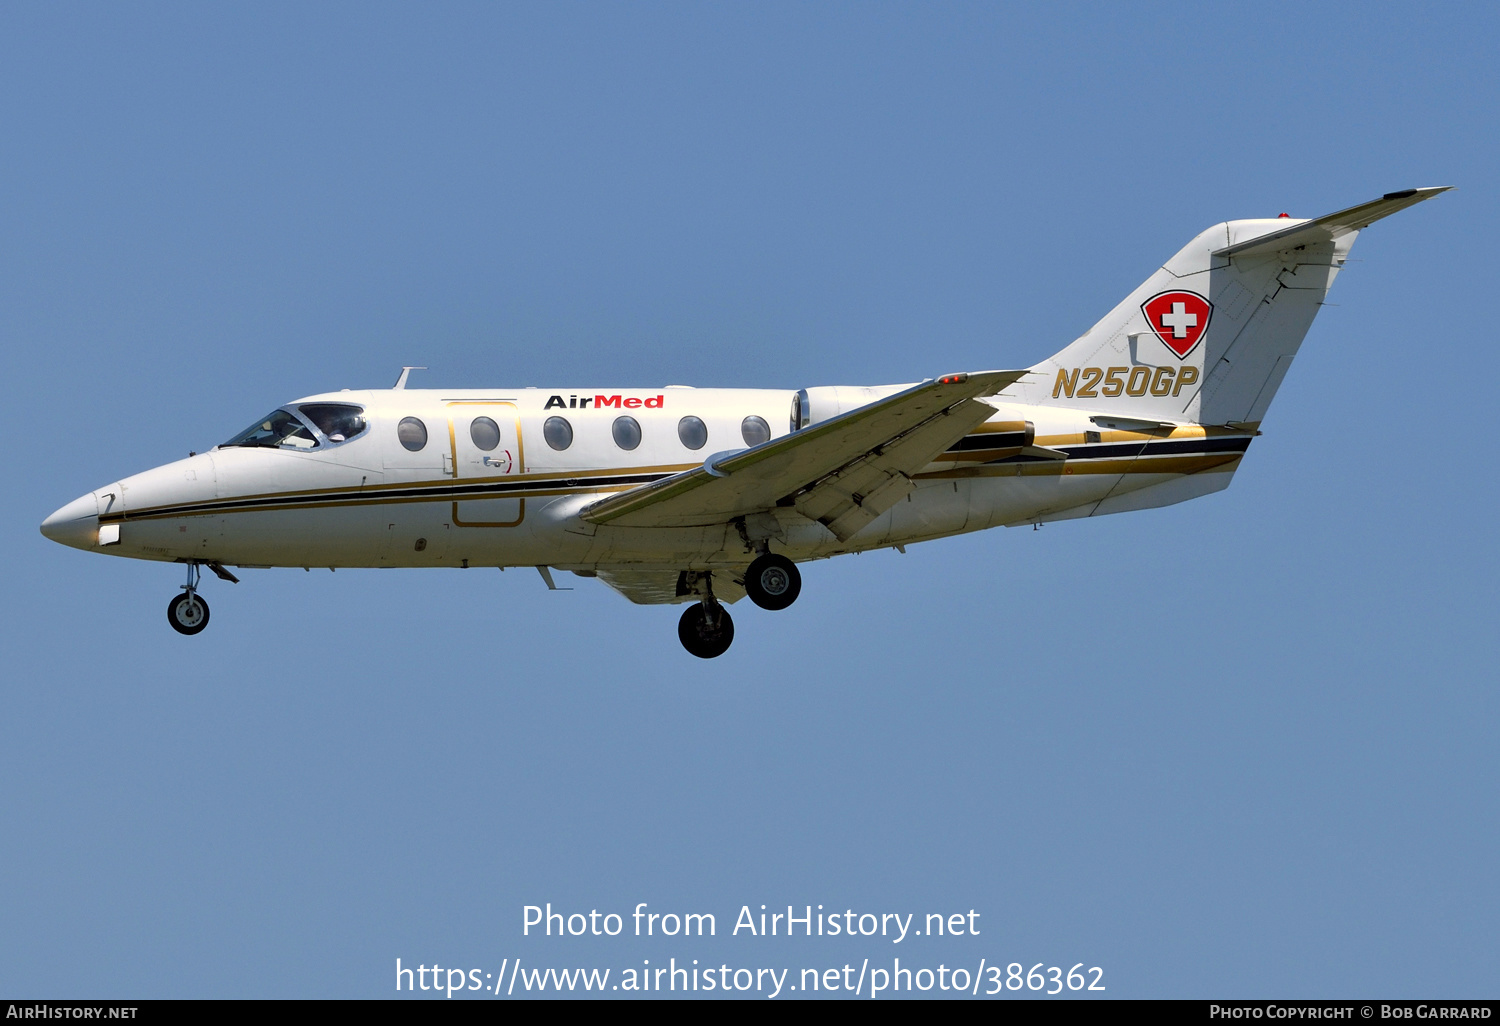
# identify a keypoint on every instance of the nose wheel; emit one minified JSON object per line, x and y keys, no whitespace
{"x":188,"y":613}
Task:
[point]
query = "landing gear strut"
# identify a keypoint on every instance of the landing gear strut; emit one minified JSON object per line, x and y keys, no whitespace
{"x":706,"y":629}
{"x":188,"y":613}
{"x":772,"y":581}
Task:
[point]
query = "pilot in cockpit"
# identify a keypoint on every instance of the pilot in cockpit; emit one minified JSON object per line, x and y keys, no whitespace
{"x":336,"y":422}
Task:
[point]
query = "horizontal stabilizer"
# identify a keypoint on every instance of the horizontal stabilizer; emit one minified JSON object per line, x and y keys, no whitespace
{"x":1331,"y":226}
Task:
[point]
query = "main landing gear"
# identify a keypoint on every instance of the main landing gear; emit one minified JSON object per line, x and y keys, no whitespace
{"x":188,"y":613}
{"x":773,"y":582}
{"x":706,"y":630}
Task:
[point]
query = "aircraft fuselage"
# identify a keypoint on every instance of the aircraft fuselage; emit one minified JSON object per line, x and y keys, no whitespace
{"x":370,"y":501}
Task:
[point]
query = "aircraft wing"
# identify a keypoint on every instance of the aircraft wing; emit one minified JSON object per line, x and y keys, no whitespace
{"x":843,"y":472}
{"x":1332,"y":226}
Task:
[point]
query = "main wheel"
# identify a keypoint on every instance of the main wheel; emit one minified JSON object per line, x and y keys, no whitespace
{"x":701,"y":637}
{"x":773,"y":582}
{"x":188,"y":614}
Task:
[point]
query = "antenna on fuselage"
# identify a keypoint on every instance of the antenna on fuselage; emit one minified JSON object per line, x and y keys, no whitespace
{"x":405,"y":373}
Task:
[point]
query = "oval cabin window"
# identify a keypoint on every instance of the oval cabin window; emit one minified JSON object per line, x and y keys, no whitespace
{"x":693,"y":432}
{"x":485,"y":433}
{"x":627,"y":432}
{"x":558,"y":433}
{"x":755,"y":430}
{"x":413,"y":434}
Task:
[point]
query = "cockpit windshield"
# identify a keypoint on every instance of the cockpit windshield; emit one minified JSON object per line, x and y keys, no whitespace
{"x":280,"y":430}
{"x":338,"y":422}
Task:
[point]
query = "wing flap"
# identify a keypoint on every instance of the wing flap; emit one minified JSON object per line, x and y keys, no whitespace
{"x":648,"y":585}
{"x":848,"y":499}
{"x":847,"y":464}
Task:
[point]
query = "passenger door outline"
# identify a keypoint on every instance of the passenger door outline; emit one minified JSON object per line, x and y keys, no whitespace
{"x":473,"y":463}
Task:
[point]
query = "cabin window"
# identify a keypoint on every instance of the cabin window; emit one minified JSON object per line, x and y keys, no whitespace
{"x":280,"y":430}
{"x":413,"y":434}
{"x":558,"y":433}
{"x":693,"y":432}
{"x":754,"y":430}
{"x":627,"y":432}
{"x":485,"y":433}
{"x":338,"y":422}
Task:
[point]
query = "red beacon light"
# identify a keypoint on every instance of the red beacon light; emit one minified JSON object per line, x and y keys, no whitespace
{"x":1283,"y":214}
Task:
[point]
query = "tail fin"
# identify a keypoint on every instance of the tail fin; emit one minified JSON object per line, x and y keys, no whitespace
{"x":1209,"y":337}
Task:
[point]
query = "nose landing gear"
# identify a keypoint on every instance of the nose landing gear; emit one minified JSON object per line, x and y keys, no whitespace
{"x":188,"y":613}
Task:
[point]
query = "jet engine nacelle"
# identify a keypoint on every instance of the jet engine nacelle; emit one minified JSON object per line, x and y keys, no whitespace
{"x":812,"y":405}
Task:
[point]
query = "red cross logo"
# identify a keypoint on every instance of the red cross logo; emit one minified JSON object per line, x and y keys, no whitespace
{"x":1178,"y":318}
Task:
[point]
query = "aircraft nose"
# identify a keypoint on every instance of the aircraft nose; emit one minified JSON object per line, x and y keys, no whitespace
{"x":76,"y":524}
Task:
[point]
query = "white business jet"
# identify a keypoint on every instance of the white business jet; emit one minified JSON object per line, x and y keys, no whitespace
{"x":703,"y":496}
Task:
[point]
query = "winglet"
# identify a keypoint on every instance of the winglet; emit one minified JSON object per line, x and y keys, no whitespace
{"x":1332,"y":226}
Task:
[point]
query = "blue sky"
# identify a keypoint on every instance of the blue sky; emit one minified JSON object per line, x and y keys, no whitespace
{"x":1239,"y":747}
